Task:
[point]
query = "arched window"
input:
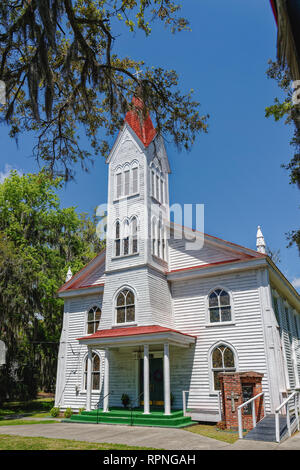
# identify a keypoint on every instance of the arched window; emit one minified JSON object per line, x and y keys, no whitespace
{"x":135,"y":181}
{"x":125,"y":307}
{"x":222,"y":360}
{"x":219,"y":306}
{"x":95,"y":372}
{"x":134,"y":235}
{"x":126,"y":237}
{"x":118,"y":184}
{"x":153,"y":232}
{"x":93,"y":319}
{"x":117,"y":239}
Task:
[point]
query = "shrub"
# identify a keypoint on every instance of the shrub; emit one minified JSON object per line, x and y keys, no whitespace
{"x":68,"y":413}
{"x":125,"y":400}
{"x":81,"y":410}
{"x":54,"y":411}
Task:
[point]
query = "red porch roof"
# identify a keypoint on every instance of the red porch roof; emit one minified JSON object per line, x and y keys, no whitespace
{"x":130,"y":331}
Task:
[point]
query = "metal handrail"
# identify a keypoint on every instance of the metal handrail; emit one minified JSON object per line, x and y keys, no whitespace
{"x":239,"y":409}
{"x":131,"y":407}
{"x":285,"y":403}
{"x":101,"y":401}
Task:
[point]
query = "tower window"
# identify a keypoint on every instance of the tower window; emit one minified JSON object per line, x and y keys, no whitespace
{"x":125,"y":307}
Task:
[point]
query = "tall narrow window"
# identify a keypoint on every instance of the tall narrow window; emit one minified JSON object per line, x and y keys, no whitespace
{"x":152,"y":183}
{"x":126,"y":182}
{"x":153,"y":230}
{"x":163,"y":244}
{"x":222,"y":361}
{"x":93,"y":320}
{"x":95,"y":372}
{"x":134,"y":180}
{"x":219,"y":306}
{"x":162,"y":191}
{"x":157,"y":187}
{"x":125,"y":307}
{"x":134,"y":235}
{"x":119,"y":185}
{"x":126,"y":238}
{"x":159,"y":239}
{"x":117,"y":240}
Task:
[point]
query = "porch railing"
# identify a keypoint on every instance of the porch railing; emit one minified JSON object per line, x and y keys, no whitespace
{"x":286,"y":404}
{"x":252,"y":401}
{"x":132,"y":407}
{"x":99,"y":403}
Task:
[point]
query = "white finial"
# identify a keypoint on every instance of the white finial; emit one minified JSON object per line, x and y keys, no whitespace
{"x":69,"y":274}
{"x":260,"y":241}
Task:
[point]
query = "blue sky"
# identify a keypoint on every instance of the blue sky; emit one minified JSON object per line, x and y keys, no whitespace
{"x":235,"y":170}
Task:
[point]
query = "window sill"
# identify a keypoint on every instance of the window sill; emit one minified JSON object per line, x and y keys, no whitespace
{"x":221,"y":323}
{"x":125,"y":256}
{"x":124,"y":325}
{"x":156,"y":200}
{"x":83,"y":392}
{"x":123,"y":198}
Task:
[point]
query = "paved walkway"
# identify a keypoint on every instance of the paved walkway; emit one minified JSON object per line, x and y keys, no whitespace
{"x":159,"y":438}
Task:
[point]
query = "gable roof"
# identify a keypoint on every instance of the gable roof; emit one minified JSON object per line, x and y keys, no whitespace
{"x":91,"y":275}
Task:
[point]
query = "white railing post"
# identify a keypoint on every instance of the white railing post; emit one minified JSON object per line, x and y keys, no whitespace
{"x":288,"y":419}
{"x":277,"y":430}
{"x":253,"y":414}
{"x":296,"y":410}
{"x":183,"y":402}
{"x":240,"y":423}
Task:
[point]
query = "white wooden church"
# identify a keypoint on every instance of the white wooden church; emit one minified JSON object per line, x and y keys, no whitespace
{"x":151,"y":318}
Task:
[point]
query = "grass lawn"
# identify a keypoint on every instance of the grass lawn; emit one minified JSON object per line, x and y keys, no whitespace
{"x":38,"y":408}
{"x":15,"y":422}
{"x":210,"y":430}
{"x":42,"y":443}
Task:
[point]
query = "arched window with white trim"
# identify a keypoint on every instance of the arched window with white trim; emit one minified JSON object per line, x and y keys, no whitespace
{"x":117,"y":239}
{"x":125,"y":307}
{"x":135,"y":178}
{"x":95,"y":372}
{"x":219,"y":306}
{"x":125,"y":237}
{"x":134,"y":235}
{"x":119,"y":189}
{"x":222,"y":360}
{"x":93,"y":319}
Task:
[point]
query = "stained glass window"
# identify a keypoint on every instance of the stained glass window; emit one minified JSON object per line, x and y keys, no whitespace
{"x":93,"y":320}
{"x":219,"y":306}
{"x":125,"y":307}
{"x":95,"y":372}
{"x":222,"y":361}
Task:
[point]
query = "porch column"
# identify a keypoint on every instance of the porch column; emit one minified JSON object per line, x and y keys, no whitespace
{"x":167,"y":389}
{"x":106,"y":382}
{"x":146,"y":380}
{"x":89,"y":380}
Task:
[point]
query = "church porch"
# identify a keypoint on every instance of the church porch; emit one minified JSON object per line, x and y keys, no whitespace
{"x":137,"y":362}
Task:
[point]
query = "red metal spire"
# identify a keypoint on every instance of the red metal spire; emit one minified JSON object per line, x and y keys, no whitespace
{"x":142,"y":126}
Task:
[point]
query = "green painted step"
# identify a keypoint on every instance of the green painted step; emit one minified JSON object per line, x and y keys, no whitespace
{"x":121,"y":416}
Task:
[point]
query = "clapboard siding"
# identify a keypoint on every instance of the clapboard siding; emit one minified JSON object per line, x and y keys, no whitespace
{"x":180,"y":258}
{"x":245,"y":335}
{"x":72,"y":394}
